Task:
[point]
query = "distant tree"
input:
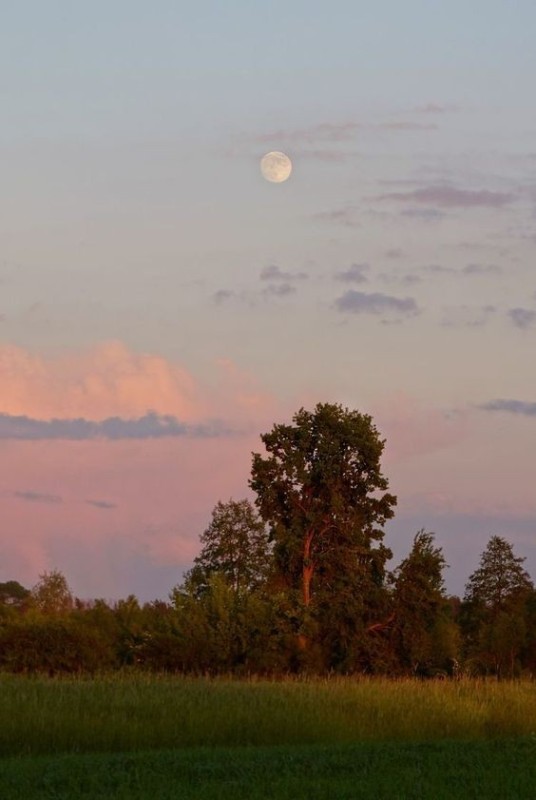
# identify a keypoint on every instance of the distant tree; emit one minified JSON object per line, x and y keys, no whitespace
{"x":423,"y":630}
{"x":234,"y":546}
{"x":51,"y":595}
{"x":494,"y":611}
{"x":321,"y":490}
{"x":499,"y":578}
{"x":13,"y":594}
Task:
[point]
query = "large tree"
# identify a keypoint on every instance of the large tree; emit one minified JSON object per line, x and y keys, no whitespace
{"x":321,"y":490}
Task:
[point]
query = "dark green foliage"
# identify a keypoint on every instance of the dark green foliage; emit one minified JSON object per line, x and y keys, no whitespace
{"x":52,"y":646}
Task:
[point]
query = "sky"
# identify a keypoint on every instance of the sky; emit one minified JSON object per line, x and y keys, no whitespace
{"x":162,"y":305}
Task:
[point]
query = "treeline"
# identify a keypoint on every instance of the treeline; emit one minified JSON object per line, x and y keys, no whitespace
{"x":295,"y":582}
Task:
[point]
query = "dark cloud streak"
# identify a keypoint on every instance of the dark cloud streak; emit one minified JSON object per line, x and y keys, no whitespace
{"x":38,"y":497}
{"x":511,"y":407}
{"x":149,"y":426}
{"x":101,"y":504}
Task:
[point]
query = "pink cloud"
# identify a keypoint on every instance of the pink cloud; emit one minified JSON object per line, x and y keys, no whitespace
{"x":103,"y":381}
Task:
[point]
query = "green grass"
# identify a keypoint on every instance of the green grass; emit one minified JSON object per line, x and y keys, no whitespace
{"x":144,"y":737}
{"x":40,"y":716}
{"x":439,"y":771}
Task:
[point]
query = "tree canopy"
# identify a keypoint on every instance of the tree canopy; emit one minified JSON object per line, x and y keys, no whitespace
{"x":318,"y":489}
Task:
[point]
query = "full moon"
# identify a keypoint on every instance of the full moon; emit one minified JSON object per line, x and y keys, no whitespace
{"x":276,"y":167}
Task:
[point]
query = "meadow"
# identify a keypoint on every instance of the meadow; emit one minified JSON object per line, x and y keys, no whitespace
{"x":138,"y":736}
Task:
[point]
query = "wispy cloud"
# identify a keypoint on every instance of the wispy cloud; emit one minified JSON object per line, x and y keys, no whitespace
{"x":405,"y":126}
{"x":522,"y":318}
{"x":38,"y":497}
{"x":465,"y":316}
{"x":424,"y":214}
{"x":434,"y":108}
{"x":353,"y":302}
{"x":470,"y":270}
{"x":274,"y":273}
{"x":323,"y":132}
{"x":400,"y":278}
{"x":481,"y":269}
{"x":222,"y":296}
{"x":452,"y":197}
{"x":340,"y":132}
{"x":356,"y":273}
{"x":439,"y":269}
{"x":279,"y":290}
{"x":340,"y":216}
{"x":149,"y":426}
{"x":329,"y":155}
{"x":101,"y":504}
{"x":511,"y":407}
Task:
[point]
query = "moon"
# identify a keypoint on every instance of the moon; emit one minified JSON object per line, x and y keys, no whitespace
{"x":276,"y":167}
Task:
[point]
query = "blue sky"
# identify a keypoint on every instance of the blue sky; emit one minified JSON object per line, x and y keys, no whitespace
{"x":146,"y":266}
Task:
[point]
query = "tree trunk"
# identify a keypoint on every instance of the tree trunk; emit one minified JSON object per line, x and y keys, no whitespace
{"x":307,"y":569}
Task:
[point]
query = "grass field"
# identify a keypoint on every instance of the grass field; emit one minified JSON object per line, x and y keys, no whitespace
{"x":140,"y":737}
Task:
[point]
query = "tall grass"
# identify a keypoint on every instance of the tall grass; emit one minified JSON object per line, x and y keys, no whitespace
{"x":113,"y":714}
